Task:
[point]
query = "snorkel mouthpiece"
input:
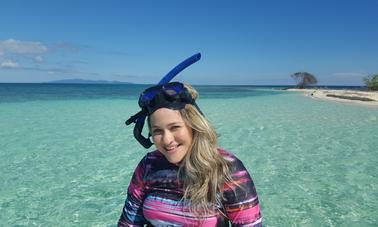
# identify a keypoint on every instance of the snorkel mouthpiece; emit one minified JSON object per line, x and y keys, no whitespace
{"x":140,"y":117}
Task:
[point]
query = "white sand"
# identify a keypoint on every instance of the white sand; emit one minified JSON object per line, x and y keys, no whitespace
{"x":322,"y":94}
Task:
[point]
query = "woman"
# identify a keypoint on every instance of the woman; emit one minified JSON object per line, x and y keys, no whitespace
{"x":188,"y":180}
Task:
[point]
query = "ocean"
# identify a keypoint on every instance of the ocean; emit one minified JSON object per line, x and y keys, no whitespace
{"x":66,"y":156}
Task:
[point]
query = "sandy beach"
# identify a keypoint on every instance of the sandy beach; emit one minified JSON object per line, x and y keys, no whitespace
{"x":365,"y":98}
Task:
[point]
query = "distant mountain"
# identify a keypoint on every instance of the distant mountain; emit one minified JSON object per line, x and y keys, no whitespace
{"x":81,"y":81}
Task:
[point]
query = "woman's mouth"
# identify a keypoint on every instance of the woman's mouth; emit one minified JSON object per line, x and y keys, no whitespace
{"x":172,"y":149}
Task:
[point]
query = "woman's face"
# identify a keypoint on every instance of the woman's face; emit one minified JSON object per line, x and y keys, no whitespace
{"x":172,"y":137}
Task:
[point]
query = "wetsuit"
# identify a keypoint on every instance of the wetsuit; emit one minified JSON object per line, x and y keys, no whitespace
{"x":154,"y":197}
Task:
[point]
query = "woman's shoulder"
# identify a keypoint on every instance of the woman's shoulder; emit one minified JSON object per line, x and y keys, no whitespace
{"x":235,"y":163}
{"x":227,"y":155}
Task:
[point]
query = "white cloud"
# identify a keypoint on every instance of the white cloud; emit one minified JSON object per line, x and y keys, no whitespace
{"x":38,"y":59}
{"x":34,"y":56}
{"x":21,"y":54}
{"x":22,"y":47}
{"x":8,"y":64}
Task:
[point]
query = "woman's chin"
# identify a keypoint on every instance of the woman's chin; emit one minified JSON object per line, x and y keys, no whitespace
{"x":174,"y":156}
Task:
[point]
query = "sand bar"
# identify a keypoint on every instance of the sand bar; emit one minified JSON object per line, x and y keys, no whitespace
{"x":366,"y":98}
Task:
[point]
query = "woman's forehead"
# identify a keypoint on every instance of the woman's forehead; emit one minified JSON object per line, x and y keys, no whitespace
{"x":165,"y":116}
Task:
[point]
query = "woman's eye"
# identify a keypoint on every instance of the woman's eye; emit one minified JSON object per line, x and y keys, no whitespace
{"x":175,"y":127}
{"x":156,"y":131}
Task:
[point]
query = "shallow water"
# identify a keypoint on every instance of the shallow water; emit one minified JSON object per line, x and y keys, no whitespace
{"x":68,"y":161}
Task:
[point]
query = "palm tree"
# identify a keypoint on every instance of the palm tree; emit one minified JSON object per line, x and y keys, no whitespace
{"x":303,"y":79}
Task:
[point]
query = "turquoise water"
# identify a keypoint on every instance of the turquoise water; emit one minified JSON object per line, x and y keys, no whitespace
{"x":66,"y":156}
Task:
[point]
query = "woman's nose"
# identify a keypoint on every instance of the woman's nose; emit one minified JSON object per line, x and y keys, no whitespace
{"x":168,"y":138}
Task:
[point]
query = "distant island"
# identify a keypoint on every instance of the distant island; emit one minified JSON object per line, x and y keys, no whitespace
{"x":81,"y":81}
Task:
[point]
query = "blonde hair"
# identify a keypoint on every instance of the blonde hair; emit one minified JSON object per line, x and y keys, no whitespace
{"x":203,"y":171}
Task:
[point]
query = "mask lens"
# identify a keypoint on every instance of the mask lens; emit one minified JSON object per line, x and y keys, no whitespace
{"x":149,"y":94}
{"x":170,"y":90}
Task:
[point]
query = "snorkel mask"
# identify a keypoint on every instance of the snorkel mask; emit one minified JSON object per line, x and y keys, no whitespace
{"x":172,"y":95}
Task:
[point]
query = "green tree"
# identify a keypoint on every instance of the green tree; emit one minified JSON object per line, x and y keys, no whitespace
{"x":303,"y":79}
{"x":371,"y":82}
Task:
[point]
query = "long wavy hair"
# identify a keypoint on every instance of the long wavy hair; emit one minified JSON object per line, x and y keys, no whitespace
{"x":203,"y":171}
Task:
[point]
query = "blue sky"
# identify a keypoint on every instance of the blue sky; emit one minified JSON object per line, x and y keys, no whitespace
{"x":242,"y":42}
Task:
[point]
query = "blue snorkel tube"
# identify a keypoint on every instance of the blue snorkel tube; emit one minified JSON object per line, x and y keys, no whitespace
{"x":176,"y":70}
{"x":140,"y":117}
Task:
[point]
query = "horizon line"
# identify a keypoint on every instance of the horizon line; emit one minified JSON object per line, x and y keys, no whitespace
{"x":130,"y":83}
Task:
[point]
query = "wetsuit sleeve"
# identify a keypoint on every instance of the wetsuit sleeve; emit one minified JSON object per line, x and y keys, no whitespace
{"x":132,"y":212}
{"x":241,"y":203}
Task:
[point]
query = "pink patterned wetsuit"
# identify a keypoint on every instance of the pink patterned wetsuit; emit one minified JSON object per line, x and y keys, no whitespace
{"x":154,"y":197}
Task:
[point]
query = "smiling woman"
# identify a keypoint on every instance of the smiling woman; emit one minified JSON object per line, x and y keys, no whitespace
{"x":171,"y":135}
{"x":188,"y":180}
